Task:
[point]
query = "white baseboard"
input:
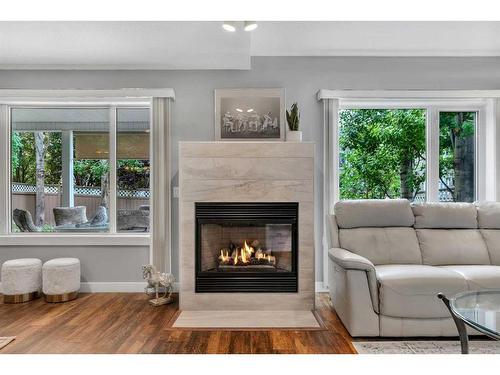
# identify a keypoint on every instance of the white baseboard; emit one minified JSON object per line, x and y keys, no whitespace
{"x":138,"y":286}
{"x":319,"y":287}
{"x":119,"y":287}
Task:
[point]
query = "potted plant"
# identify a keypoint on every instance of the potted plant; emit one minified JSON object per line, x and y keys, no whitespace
{"x":293,"y":118}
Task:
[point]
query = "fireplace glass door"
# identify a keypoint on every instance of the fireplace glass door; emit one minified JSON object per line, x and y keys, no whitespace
{"x":246,"y":247}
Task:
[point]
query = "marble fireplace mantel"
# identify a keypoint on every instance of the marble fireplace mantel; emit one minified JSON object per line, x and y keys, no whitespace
{"x":246,"y":172}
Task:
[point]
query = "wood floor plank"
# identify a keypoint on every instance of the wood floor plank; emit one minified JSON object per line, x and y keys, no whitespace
{"x":126,"y":323}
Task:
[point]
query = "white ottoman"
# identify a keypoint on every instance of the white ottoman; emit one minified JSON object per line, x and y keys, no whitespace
{"x":61,"y":279}
{"x":21,"y":280}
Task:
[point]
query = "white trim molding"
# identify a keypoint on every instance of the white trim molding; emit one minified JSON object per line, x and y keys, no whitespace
{"x":138,"y":287}
{"x":321,"y":287}
{"x":407,"y":94}
{"x":86,"y":94}
{"x":66,"y":239}
{"x":116,"y":287}
{"x":330,"y":173}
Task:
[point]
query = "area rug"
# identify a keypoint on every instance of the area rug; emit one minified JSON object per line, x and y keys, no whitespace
{"x":4,"y":341}
{"x":425,"y":347}
{"x":246,"y":319}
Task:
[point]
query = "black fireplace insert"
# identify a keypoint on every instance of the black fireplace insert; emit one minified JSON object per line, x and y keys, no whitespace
{"x":246,"y":247}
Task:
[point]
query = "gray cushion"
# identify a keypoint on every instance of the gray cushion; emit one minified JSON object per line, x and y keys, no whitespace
{"x":492,"y":239}
{"x":410,"y":291}
{"x":488,"y":215}
{"x":452,"y":246}
{"x":374,"y":213}
{"x":478,"y":277}
{"x":382,"y":245}
{"x":445,"y":215}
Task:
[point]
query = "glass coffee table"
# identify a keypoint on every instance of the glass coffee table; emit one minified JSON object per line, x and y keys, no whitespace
{"x":479,"y":310}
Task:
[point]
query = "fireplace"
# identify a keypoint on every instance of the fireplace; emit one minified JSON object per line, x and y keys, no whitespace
{"x":246,"y":247}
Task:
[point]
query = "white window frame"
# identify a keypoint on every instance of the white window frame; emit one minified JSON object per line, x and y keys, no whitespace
{"x":432,"y":108}
{"x":111,"y":99}
{"x":485,"y":102}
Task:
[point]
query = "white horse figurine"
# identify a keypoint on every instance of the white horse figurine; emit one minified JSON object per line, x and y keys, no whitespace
{"x":157,"y":280}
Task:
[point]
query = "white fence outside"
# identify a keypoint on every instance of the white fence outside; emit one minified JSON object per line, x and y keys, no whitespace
{"x":87,"y":191}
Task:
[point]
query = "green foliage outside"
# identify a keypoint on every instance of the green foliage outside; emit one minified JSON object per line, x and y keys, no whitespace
{"x":383,"y":153}
{"x":132,"y":174}
{"x":23,"y":157}
{"x":456,"y":154}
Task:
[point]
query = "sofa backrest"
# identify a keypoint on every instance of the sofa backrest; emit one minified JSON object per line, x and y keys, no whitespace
{"x":448,"y":234}
{"x":488,"y":217}
{"x":391,"y":231}
{"x":379,"y":230}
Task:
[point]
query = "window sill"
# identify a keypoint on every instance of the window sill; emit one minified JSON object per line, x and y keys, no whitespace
{"x":51,"y":239}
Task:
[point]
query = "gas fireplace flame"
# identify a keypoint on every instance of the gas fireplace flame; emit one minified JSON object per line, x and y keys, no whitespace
{"x":224,"y":256}
{"x":246,"y":255}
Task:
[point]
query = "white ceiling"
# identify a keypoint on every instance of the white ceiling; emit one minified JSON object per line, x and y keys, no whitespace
{"x":122,"y":45}
{"x":377,"y":39}
{"x":205,"y":45}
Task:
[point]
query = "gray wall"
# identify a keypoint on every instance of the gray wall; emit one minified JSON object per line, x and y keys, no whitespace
{"x":99,"y":263}
{"x":302,"y":77}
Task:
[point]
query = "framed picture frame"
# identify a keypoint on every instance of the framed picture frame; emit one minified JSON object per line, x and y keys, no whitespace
{"x":251,"y":114}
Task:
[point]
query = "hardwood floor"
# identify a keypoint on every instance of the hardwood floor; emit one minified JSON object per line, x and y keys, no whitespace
{"x":126,"y":323}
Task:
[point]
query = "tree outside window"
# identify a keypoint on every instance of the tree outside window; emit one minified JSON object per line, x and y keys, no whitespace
{"x":382,"y":154}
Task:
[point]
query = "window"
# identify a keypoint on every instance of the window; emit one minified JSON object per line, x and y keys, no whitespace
{"x":457,"y":143}
{"x":132,"y":170}
{"x":420,"y":150}
{"x":382,"y":153}
{"x":61,"y":170}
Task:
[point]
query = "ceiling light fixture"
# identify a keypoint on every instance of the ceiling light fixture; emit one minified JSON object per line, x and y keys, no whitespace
{"x":239,"y":110}
{"x":249,"y":110}
{"x":229,"y":26}
{"x":250,"y":25}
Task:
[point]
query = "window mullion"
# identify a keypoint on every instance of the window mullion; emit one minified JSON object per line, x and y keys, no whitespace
{"x":432,"y":146}
{"x":112,"y":169}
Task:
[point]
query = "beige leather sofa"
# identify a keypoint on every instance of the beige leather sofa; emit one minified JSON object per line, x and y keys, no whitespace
{"x":389,"y":259}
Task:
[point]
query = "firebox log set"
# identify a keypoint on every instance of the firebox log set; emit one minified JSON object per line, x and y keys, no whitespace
{"x":246,"y":258}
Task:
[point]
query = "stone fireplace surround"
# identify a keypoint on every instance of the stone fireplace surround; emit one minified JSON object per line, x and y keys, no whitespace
{"x":246,"y":172}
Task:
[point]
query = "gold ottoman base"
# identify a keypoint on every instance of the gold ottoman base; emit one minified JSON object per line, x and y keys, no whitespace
{"x":56,"y":298}
{"x":20,"y":298}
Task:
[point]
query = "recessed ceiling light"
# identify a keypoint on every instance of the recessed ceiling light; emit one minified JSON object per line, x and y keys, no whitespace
{"x":239,"y":110}
{"x":250,"y":110}
{"x":250,"y":25}
{"x":229,"y":26}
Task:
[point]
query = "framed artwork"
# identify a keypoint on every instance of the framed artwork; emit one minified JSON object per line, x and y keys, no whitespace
{"x":249,"y":114}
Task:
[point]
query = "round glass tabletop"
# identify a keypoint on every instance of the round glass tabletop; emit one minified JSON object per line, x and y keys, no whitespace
{"x":480,"y":309}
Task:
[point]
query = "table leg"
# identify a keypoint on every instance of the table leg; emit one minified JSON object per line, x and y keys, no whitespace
{"x":462,"y":331}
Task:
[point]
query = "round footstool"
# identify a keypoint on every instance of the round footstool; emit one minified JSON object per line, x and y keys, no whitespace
{"x":21,"y":280}
{"x":61,"y":279}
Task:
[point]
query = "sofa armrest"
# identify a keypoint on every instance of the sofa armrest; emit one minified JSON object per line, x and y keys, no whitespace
{"x":351,"y":261}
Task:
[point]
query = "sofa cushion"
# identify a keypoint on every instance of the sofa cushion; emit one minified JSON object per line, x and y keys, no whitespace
{"x":410,"y":291}
{"x":478,"y":277}
{"x":488,"y":215}
{"x":441,"y":247}
{"x":445,"y":215}
{"x":492,"y":239}
{"x":382,"y":245}
{"x":374,"y":213}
